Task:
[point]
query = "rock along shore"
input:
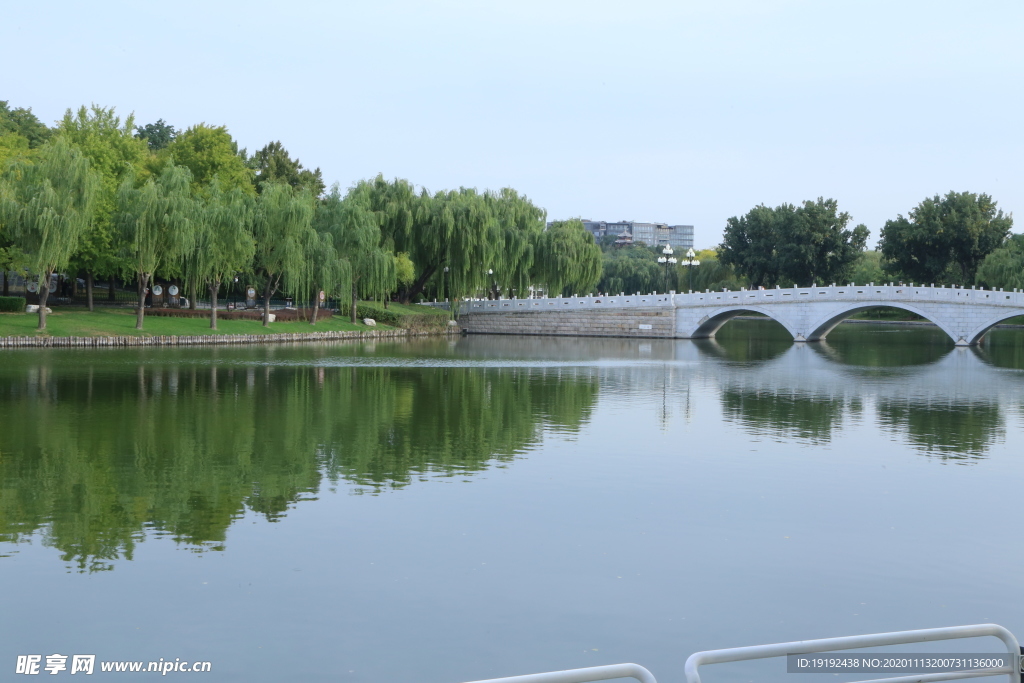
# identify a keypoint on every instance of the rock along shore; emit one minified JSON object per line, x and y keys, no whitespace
{"x":214,"y":339}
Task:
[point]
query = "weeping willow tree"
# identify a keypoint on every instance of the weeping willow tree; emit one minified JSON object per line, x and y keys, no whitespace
{"x":46,"y":207}
{"x":354,"y":228}
{"x":323,"y":270}
{"x":567,"y":260}
{"x":282,"y":230}
{"x":224,"y":243}
{"x":519,"y":224}
{"x":156,"y":224}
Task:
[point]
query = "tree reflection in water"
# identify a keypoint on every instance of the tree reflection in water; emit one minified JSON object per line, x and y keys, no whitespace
{"x":184,"y":449}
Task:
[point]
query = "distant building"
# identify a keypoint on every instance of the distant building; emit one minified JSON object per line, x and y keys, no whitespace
{"x":651,"y":234}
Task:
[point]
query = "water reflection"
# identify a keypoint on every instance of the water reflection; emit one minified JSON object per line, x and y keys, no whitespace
{"x":94,"y":457}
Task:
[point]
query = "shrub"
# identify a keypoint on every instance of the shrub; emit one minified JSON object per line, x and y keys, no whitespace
{"x":12,"y":304}
{"x":428,"y":319}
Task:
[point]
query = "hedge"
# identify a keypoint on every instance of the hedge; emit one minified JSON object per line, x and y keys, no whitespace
{"x":429,"y":319}
{"x":12,"y":304}
{"x":282,"y":314}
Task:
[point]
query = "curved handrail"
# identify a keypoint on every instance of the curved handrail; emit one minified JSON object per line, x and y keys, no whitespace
{"x":591,"y":673}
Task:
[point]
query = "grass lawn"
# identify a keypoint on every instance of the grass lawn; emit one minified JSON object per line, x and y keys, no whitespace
{"x":121,"y":322}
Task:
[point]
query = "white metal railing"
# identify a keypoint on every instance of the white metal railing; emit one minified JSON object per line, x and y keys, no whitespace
{"x":592,"y":673}
{"x":739,"y":654}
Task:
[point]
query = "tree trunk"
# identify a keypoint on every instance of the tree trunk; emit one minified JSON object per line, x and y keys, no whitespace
{"x":268,"y":292}
{"x":88,"y":288}
{"x":44,"y":293}
{"x":418,"y":286}
{"x":112,"y":289}
{"x":214,"y":287}
{"x":316,"y":308}
{"x":355,"y":302}
{"x":7,"y":290}
{"x":141,"y":313}
{"x":195,"y":295}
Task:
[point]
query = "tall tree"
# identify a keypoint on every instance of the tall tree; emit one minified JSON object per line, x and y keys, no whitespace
{"x":815,"y":245}
{"x":273,"y":164}
{"x":113,"y":151}
{"x":567,"y":261}
{"x":750,"y":244}
{"x":282,"y":225}
{"x":155,"y":223}
{"x":355,"y":231}
{"x":959,"y":230}
{"x":45,"y":207}
{"x":223,"y":242}
{"x":157,"y":135}
{"x":519,"y":225}
{"x":209,"y":151}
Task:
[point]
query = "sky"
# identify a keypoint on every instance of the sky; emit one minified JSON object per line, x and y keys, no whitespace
{"x":679,"y":112}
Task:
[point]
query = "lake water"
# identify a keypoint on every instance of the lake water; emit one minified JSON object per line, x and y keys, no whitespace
{"x":447,"y":510}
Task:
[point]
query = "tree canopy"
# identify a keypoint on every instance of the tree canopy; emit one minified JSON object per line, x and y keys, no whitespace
{"x":944,"y":239}
{"x":157,"y":135}
{"x":273,"y":164}
{"x":793,"y":244}
{"x":208,"y":151}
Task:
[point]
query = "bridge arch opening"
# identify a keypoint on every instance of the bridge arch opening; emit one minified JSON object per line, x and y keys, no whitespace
{"x":822,"y":328}
{"x":978,"y":334}
{"x":709,"y":327}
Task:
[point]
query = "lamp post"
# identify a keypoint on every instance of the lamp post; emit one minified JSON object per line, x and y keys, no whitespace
{"x":690,"y":262}
{"x":668,"y":260}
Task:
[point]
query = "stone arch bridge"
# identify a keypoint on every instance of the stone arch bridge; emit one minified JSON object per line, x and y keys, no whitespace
{"x":808,"y":314}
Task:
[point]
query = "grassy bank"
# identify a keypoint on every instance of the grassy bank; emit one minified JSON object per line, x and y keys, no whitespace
{"x":121,"y":322}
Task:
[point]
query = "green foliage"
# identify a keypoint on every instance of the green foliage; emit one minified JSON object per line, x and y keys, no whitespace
{"x":283,"y":231}
{"x":405,"y":269}
{"x":114,"y":153}
{"x":23,"y":123}
{"x":711,"y":274}
{"x":800,"y":244}
{"x":222,"y":242}
{"x":46,"y":206}
{"x":567,"y":260}
{"x":12,"y":304}
{"x":273,"y":164}
{"x":944,"y":239}
{"x":12,"y":148}
{"x":209,"y":151}
{"x":867,"y":268}
{"x":1004,"y":267}
{"x":155,"y":222}
{"x":157,"y":135}
{"x":630,"y":269}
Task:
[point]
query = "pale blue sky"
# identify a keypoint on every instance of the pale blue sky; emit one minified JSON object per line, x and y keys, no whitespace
{"x":684,"y":112}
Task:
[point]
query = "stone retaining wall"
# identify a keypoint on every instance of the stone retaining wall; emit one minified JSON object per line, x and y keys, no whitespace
{"x":212,"y":339}
{"x":624,"y":322}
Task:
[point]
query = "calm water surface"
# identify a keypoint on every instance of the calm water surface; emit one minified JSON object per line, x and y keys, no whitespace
{"x":449,"y":510}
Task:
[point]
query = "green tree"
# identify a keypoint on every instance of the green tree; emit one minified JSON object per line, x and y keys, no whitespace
{"x":156,"y":224}
{"x":281,"y":228}
{"x":24,"y":123}
{"x":750,"y":244}
{"x":113,"y":152}
{"x":955,"y":231}
{"x":567,"y":260}
{"x":273,"y":164}
{"x":815,"y":245}
{"x":209,"y":151}
{"x":356,"y":235}
{"x":629,"y":269}
{"x":45,"y":207}
{"x":157,"y":135}
{"x":223,"y":241}
{"x":867,"y":268}
{"x":1004,"y":267}
{"x":799,"y":244}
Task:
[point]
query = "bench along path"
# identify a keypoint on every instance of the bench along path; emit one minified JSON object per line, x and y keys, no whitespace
{"x":809,"y":314}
